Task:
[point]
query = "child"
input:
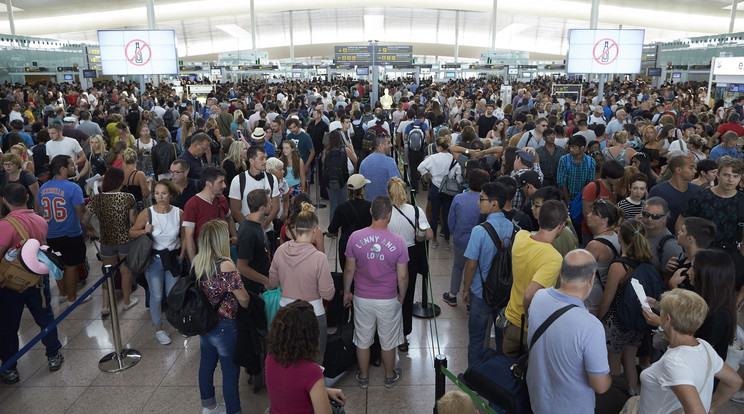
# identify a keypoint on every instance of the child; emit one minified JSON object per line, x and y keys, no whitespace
{"x":455,"y":402}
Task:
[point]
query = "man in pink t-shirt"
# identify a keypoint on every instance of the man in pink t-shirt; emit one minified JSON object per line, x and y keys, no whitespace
{"x":376,"y":260}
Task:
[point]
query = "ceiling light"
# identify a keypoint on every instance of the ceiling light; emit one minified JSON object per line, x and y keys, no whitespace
{"x":234,"y":30}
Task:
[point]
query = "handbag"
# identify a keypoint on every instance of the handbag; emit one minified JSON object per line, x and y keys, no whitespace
{"x":340,"y":352}
{"x":140,"y":254}
{"x":271,"y":301}
{"x":449,"y":186}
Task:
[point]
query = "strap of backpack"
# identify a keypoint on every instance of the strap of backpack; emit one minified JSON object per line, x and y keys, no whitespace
{"x":496,"y":241}
{"x":17,"y":226}
{"x":609,"y":244}
{"x":406,"y":217}
{"x":545,"y":325}
{"x":660,"y":248}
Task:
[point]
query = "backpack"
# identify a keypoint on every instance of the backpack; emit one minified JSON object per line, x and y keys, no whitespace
{"x":168,"y":119}
{"x":357,"y":137}
{"x":368,"y":142}
{"x":367,"y":117}
{"x":242,"y":179}
{"x":189,"y":310}
{"x":497,"y":285}
{"x":335,"y":169}
{"x":16,"y":275}
{"x":416,"y":138}
{"x":576,"y":206}
{"x":628,"y":306}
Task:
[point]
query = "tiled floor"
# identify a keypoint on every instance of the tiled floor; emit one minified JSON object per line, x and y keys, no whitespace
{"x":165,"y":381}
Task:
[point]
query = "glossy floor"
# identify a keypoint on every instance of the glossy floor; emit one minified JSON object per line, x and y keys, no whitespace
{"x":165,"y":381}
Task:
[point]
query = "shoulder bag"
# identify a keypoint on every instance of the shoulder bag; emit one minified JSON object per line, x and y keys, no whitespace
{"x":449,"y":186}
{"x":140,"y":254}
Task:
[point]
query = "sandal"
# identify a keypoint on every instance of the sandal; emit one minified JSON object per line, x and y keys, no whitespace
{"x":403,"y":347}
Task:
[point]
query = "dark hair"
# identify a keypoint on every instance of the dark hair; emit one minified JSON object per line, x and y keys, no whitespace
{"x":678,"y":162}
{"x":293,"y":334}
{"x":577,"y":140}
{"x":381,"y":207}
{"x":644,"y":164}
{"x":58,"y":163}
{"x":168,"y":184}
{"x":113,"y":179}
{"x":703,"y":230}
{"x":15,"y":194}
{"x":253,"y":151}
{"x":703,"y":166}
{"x":552,"y":214}
{"x":714,"y":281}
{"x":510,"y":184}
{"x":548,"y":193}
{"x":496,"y":191}
{"x":257,"y":198}
{"x":612,"y":169}
{"x":43,"y":136}
{"x":510,"y":155}
{"x":210,"y":175}
{"x":608,"y":210}
{"x":477,"y":178}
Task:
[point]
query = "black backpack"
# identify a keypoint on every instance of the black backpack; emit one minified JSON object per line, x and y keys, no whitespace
{"x":335,"y":168}
{"x":368,"y":142}
{"x":168,"y":119}
{"x":497,"y":285}
{"x":189,"y":310}
{"x":416,"y":138}
{"x":628,"y":306}
{"x":358,"y":137}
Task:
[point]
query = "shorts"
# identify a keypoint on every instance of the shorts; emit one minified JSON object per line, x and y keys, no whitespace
{"x":110,"y":251}
{"x":385,"y":314}
{"x":71,"y":248}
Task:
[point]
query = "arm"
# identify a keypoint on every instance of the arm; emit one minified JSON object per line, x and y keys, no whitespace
{"x":246,"y":270}
{"x":616,"y":272}
{"x":529,"y":294}
{"x":319,"y":240}
{"x":586,"y":205}
{"x":235,"y":209}
{"x":319,"y":398}
{"x":729,"y":384}
{"x":34,"y":188}
{"x":600,"y":383}
{"x":468,"y":273}
{"x":285,"y":204}
{"x":80,"y":158}
{"x":84,"y":215}
{"x":84,"y":171}
{"x":240,"y":294}
{"x":273,"y":213}
{"x":142,"y":180}
{"x":690,"y":399}
{"x":30,"y":168}
{"x":352,"y":155}
{"x":402,"y":273}
{"x":188,"y":241}
{"x":348,"y":278}
{"x":303,"y":176}
{"x":231,"y":229}
{"x":310,"y":159}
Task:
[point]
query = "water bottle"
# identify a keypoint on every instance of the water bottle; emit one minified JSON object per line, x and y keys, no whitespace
{"x":12,"y":253}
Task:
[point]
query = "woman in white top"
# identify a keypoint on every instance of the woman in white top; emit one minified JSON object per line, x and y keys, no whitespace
{"x":165,"y":266}
{"x":683,"y":377}
{"x":409,"y":222}
{"x":440,"y":165}
{"x":143,"y":145}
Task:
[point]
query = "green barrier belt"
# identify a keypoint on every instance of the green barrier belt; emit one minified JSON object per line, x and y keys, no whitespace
{"x":478,"y":400}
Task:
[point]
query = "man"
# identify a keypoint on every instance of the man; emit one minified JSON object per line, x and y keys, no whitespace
{"x":15,"y":112}
{"x":317,"y":129}
{"x":417,"y":157}
{"x":695,"y":234}
{"x":617,"y":123}
{"x":377,"y":263}
{"x":12,"y":302}
{"x":254,"y":258}
{"x":197,"y":155}
{"x":597,"y":116}
{"x":602,"y":189}
{"x":303,"y":142}
{"x":62,"y":145}
{"x":224,"y":119}
{"x":187,"y":187}
{"x":16,"y":126}
{"x":534,"y":138}
{"x":378,"y":119}
{"x":87,"y":126}
{"x":585,"y":131}
{"x":576,"y":169}
{"x":678,"y":189}
{"x":410,"y":116}
{"x":256,"y":115}
{"x":379,"y":167}
{"x":278,"y":132}
{"x":62,"y":204}
{"x":479,"y":254}
{"x":568,"y":363}
{"x":485,"y":122}
{"x":208,"y":204}
{"x":69,"y":129}
{"x":550,"y":156}
{"x":680,"y":144}
{"x":655,"y":215}
{"x":255,"y":178}
{"x":535,"y":266}
{"x":731,"y":126}
{"x":258,"y":137}
{"x":726,"y":147}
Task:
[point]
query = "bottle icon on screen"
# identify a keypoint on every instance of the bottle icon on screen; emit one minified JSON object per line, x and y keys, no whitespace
{"x":138,"y":52}
{"x":605,"y":52}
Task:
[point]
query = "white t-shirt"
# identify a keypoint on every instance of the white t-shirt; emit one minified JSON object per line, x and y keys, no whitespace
{"x":148,"y":146}
{"x":403,"y":228}
{"x":682,"y":365}
{"x":678,"y":145}
{"x":402,"y":126}
{"x":65,"y":146}
{"x":250,"y":185}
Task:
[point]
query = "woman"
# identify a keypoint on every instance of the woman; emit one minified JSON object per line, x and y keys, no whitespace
{"x":135,"y":182}
{"x":707,"y":172}
{"x":642,"y":161}
{"x":696,"y":144}
{"x":234,"y":162}
{"x":651,"y":147}
{"x":96,"y":153}
{"x":218,"y":278}
{"x":632,"y":205}
{"x":295,"y":382}
{"x":163,"y":154}
{"x":683,"y":379}
{"x":26,"y":155}
{"x":134,"y":117}
{"x":619,"y":150}
{"x":163,"y":222}
{"x":294,"y":168}
{"x":337,"y":149}
{"x":409,"y":222}
{"x":287,"y":231}
{"x":187,"y":129}
{"x":302,"y":270}
{"x":623,"y":343}
{"x":239,"y":124}
{"x":498,"y":134}
{"x":144,"y":145}
{"x":276,"y":167}
{"x":351,"y":216}
{"x":14,"y":173}
{"x":123,"y":135}
{"x":665,"y":138}
{"x":440,"y":165}
{"x":602,"y":220}
{"x":115,"y":209}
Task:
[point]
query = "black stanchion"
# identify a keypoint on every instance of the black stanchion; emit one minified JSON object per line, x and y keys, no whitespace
{"x":122,"y":358}
{"x":318,"y":204}
{"x":439,"y":362}
{"x":423,"y":309}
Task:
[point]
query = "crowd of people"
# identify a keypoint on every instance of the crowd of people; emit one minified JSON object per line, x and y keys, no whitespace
{"x":643,"y":183}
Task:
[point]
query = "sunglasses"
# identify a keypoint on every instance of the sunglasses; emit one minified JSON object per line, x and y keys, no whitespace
{"x":606,"y":209}
{"x":652,"y":216}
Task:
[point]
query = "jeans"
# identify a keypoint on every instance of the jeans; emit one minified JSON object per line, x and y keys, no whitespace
{"x":336,"y":198}
{"x":219,"y":344}
{"x":458,"y":266}
{"x":439,"y":202}
{"x":414,"y":159}
{"x":410,"y":292}
{"x":156,"y":279}
{"x":11,"y":309}
{"x":477,"y":325}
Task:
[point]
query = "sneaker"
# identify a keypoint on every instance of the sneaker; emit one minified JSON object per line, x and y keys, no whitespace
{"x":105,"y":311}
{"x":87,"y":299}
{"x":363,"y":382}
{"x":10,"y":376}
{"x":219,"y":409}
{"x":163,"y":337}
{"x":389,"y":382}
{"x":738,"y":397}
{"x":450,"y":299}
{"x":434,"y":244}
{"x":61,"y":299}
{"x":132,"y":303}
{"x":448,"y":246}
{"x":55,"y":362}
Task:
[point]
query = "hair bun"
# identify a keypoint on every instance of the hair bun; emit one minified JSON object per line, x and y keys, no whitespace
{"x":308,"y":208}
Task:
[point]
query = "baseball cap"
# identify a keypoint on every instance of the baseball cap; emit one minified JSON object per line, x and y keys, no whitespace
{"x":529,"y":177}
{"x":356,"y":182}
{"x":69,"y":120}
{"x":526,"y":156}
{"x":334,"y":126}
{"x":687,"y":125}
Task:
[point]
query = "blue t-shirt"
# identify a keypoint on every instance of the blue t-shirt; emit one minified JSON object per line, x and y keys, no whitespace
{"x":481,"y":248}
{"x":676,"y":199}
{"x":718,"y":151}
{"x":27,"y":140}
{"x":463,"y":216}
{"x":379,"y":169}
{"x":270,"y":150}
{"x":423,"y":126}
{"x":58,"y":199}
{"x":304,"y":144}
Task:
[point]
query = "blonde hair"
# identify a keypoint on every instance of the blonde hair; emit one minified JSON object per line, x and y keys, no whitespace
{"x":22,"y":148}
{"x":620,"y":137}
{"x":306,"y":220}
{"x":397,"y":191}
{"x":687,"y":309}
{"x":15,"y":159}
{"x":213,"y":244}
{"x":238,"y":117}
{"x":101,"y":144}
{"x":455,"y":402}
{"x":234,"y":154}
{"x":129,"y":156}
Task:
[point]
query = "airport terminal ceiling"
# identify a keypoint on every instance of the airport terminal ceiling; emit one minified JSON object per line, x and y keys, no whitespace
{"x":205,"y":28}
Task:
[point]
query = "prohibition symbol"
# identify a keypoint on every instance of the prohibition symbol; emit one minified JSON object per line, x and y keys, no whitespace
{"x":138,"y":52}
{"x":605,"y":51}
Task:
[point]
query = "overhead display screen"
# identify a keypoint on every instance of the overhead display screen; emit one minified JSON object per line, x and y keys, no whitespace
{"x":605,"y":51}
{"x":138,"y":52}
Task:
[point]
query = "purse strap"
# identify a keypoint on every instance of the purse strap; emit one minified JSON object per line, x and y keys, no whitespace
{"x":545,"y":325}
{"x":17,"y":226}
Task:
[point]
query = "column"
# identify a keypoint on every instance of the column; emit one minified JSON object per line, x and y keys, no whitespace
{"x":493,"y":25}
{"x":11,"y":20}
{"x":731,"y":23}
{"x":457,"y":33}
{"x":593,"y":19}
{"x":291,"y":38}
{"x":253,"y":27}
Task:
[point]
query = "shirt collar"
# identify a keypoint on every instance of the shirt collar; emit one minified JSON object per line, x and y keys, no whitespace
{"x":565,"y":298}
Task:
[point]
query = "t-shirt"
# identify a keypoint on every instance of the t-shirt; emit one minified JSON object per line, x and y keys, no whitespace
{"x":590,"y":194}
{"x":112,"y":210}
{"x":58,"y":199}
{"x":401,"y":225}
{"x":35,"y":227}
{"x":485,"y":124}
{"x":377,"y":253}
{"x":254,"y":247}
{"x":629,"y":208}
{"x":463,"y":216}
{"x":675,"y":198}
{"x":379,"y":169}
{"x":250,"y":185}
{"x":731,"y":126}
{"x":724,"y":212}
{"x":681,"y":365}
{"x":289,"y":387}
{"x":481,"y":248}
{"x":65,"y":146}
{"x":531,"y":261}
{"x":198,"y":211}
{"x":304,"y":144}
{"x":189,"y":191}
{"x":718,"y":151}
{"x":195,"y":164}
{"x":572,"y":347}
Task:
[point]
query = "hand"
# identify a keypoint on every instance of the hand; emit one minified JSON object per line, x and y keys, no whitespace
{"x":740,"y":299}
{"x":650,"y":317}
{"x":672,"y":264}
{"x":529,"y":150}
{"x":653,"y":303}
{"x":466,"y":297}
{"x":348,"y":299}
{"x":233,"y":240}
{"x":677,"y":278}
{"x":148,"y":228}
{"x":401,"y":299}
{"x":93,"y":234}
{"x":337,"y":395}
{"x":267,"y":285}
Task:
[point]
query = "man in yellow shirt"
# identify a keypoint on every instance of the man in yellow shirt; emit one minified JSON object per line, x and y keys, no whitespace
{"x":535,"y":265}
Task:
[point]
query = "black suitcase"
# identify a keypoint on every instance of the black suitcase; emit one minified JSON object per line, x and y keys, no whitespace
{"x":340,"y":352}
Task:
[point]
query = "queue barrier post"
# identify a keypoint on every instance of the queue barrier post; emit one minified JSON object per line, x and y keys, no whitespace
{"x":439,"y":362}
{"x":122,"y":358}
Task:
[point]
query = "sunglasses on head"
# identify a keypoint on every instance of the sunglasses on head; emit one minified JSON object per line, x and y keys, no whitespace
{"x":646,"y":214}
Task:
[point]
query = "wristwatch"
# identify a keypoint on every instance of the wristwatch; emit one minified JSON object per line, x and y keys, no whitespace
{"x":467,"y":151}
